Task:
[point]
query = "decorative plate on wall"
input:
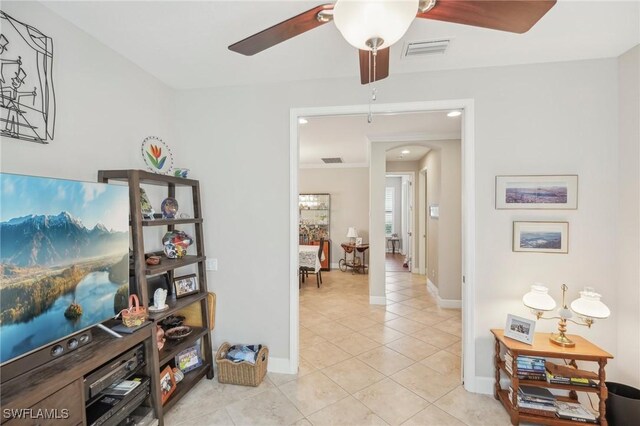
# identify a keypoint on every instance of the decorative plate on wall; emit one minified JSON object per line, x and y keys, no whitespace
{"x":157,"y":155}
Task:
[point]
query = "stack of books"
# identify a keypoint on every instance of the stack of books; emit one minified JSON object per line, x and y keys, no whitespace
{"x":534,"y":400}
{"x":528,"y":367}
{"x":566,"y":375}
{"x":574,"y":411}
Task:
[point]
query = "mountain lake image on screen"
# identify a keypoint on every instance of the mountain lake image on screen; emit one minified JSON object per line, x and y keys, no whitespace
{"x":64,"y":259}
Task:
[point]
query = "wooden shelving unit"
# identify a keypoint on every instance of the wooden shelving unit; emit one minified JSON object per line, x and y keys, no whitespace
{"x":198,"y":302}
{"x":542,"y":347}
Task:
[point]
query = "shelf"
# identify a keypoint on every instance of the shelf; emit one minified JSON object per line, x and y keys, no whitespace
{"x":164,"y":222}
{"x":145,"y":177}
{"x":170,"y":264}
{"x":175,"y":305}
{"x":174,"y":347}
{"x":545,"y":384}
{"x":190,"y":379}
{"x":503,"y":395}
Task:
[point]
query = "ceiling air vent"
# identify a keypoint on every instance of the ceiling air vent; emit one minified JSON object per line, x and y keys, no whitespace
{"x":332,"y":160}
{"x":421,"y":48}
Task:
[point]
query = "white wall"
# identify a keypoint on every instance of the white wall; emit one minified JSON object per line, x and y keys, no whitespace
{"x":627,"y":278}
{"x":349,"y":189}
{"x":106,"y":106}
{"x":544,"y":119}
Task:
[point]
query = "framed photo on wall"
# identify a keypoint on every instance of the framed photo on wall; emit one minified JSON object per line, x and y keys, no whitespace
{"x":359,"y":241}
{"x":186,"y":285}
{"x":537,"y":192}
{"x":541,"y":237}
{"x":520,"y":329}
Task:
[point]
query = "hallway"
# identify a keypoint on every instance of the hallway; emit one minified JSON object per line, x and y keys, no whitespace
{"x":360,"y":364}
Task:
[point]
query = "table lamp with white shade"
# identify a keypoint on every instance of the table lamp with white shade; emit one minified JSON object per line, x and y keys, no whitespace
{"x":352,"y":234}
{"x":588,"y":308}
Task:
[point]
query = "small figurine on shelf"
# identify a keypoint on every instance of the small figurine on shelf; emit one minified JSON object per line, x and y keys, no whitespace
{"x":160,"y":339}
{"x":145,"y":205}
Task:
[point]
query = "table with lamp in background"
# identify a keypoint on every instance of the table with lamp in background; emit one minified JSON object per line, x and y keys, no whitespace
{"x":353,"y":247}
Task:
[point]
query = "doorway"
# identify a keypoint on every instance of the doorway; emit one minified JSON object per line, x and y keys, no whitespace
{"x":377,"y":232}
{"x":399,"y":221}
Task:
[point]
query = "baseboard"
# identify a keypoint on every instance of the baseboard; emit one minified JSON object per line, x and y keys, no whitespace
{"x":431,"y":288}
{"x":486,"y":385}
{"x":377,"y":300}
{"x":449,"y":303}
{"x":279,"y":365}
{"x":443,"y":303}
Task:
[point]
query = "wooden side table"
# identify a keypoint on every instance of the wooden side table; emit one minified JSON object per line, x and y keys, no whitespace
{"x":542,"y":347}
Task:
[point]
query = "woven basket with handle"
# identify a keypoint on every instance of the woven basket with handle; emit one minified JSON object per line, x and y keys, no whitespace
{"x":136,"y":315}
{"x":241,"y":373}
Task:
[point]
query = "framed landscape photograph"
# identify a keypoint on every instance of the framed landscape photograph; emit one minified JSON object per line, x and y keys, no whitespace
{"x":520,"y":329}
{"x":186,"y":285}
{"x":541,"y":237}
{"x":537,"y":192}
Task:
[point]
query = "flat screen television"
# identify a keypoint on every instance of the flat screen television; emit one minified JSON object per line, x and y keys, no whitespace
{"x":64,"y":259}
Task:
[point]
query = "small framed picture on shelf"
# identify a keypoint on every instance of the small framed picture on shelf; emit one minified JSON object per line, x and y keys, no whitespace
{"x":186,"y":285}
{"x":359,"y":241}
{"x":167,"y":383}
{"x":189,"y":359}
{"x":520,"y":329}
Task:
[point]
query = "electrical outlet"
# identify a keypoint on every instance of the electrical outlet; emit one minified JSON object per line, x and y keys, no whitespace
{"x":212,"y":264}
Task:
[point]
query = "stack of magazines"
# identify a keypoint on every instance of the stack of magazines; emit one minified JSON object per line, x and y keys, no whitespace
{"x":566,"y":375}
{"x":574,"y":411}
{"x":534,"y":400}
{"x":529,"y":368}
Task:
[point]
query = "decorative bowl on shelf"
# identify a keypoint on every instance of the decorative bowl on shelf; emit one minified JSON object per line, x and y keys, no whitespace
{"x":172,"y":321}
{"x":178,"y":333}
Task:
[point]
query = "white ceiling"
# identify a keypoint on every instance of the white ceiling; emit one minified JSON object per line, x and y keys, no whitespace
{"x":347,"y":136}
{"x":184,"y":44}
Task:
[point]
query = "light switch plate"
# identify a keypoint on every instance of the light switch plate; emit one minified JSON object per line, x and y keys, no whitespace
{"x":212,"y":264}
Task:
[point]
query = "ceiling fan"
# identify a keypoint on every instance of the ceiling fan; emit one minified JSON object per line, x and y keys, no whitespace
{"x":374,"y":25}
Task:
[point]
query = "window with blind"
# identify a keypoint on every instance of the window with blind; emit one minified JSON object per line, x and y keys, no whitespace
{"x":389,"y":198}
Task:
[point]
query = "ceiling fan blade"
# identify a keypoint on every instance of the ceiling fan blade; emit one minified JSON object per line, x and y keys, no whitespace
{"x":381,"y":66}
{"x":280,"y":32}
{"x":516,"y":16}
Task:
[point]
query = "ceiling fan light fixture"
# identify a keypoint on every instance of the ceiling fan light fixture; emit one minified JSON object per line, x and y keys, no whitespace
{"x":360,"y":21}
{"x":405,"y":151}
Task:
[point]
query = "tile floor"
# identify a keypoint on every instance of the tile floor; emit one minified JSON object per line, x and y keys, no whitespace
{"x":360,"y":364}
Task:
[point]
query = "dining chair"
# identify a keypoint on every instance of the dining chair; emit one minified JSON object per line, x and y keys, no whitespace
{"x":304,"y":271}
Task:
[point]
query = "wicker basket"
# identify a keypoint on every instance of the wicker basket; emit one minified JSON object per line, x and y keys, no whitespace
{"x":135,"y":315}
{"x":241,"y":373}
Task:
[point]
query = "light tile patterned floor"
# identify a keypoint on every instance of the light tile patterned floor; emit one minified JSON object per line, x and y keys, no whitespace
{"x":360,"y":364}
